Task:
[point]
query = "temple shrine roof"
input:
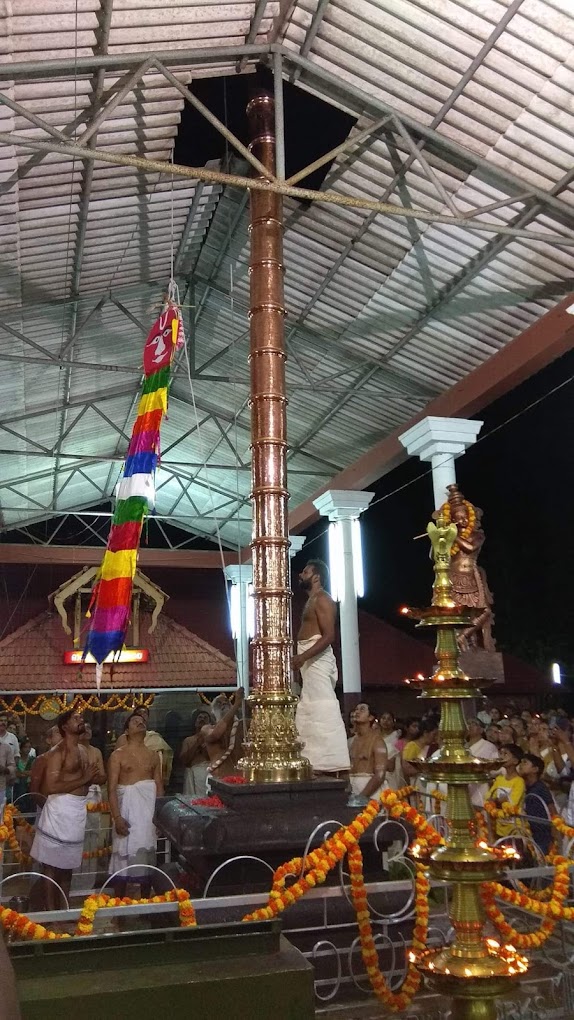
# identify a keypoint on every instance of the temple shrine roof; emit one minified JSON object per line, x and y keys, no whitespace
{"x":32,"y":659}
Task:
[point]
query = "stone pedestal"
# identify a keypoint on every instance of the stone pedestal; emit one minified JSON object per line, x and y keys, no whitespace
{"x":481,"y":665}
{"x":151,"y":974}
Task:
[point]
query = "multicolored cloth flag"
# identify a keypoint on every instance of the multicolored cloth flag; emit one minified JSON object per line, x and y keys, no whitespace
{"x":135,"y":494}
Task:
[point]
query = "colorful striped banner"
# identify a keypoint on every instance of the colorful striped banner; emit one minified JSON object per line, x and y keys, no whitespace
{"x":135,"y":494}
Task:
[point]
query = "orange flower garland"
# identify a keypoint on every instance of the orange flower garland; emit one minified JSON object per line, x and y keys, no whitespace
{"x":552,"y":911}
{"x":8,"y":835}
{"x":93,"y":903}
{"x":82,"y":703}
{"x":398,"y":1000}
{"x":316,"y":866}
{"x":25,"y":928}
{"x":468,"y":530}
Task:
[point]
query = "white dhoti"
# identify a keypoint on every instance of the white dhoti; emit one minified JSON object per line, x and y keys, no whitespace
{"x":318,"y":716}
{"x":358,"y":782}
{"x":195,"y":780}
{"x":137,"y":806}
{"x":60,"y":830}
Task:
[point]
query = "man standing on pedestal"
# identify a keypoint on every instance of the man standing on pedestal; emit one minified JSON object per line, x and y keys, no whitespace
{"x":318,"y":718}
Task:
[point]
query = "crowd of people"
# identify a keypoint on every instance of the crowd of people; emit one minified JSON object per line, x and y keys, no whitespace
{"x":533,"y":752}
{"x":532,"y":756}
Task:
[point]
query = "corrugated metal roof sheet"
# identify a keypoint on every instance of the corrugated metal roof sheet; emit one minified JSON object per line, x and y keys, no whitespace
{"x":384,"y":313}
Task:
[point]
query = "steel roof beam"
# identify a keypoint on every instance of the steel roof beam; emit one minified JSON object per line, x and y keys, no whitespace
{"x":81,"y":66}
{"x":256,"y":184}
{"x":253,"y":30}
{"x":186,"y":559}
{"x":360,"y":102}
{"x":214,"y":121}
{"x":188,"y":225}
{"x":311,"y":33}
{"x":97,"y":114}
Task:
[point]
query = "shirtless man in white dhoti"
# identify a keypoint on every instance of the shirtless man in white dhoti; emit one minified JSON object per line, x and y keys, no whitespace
{"x":59,"y":841}
{"x":134,"y":782}
{"x":318,"y":717}
{"x":368,"y":756}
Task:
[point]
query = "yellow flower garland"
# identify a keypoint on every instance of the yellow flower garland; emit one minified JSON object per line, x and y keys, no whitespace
{"x":82,"y":703}
{"x":314,"y":870}
{"x":468,"y":530}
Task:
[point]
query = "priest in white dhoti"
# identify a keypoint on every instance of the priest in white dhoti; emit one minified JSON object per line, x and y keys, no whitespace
{"x":134,"y":783}
{"x":319,"y":722}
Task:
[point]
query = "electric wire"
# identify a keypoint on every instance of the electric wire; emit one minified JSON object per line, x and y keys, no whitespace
{"x":481,"y":439}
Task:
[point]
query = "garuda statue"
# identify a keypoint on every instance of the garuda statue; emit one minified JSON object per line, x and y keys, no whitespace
{"x":468,"y":579}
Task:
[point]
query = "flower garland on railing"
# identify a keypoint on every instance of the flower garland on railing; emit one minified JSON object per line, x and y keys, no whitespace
{"x":313,"y":870}
{"x":89,"y":855}
{"x":95,"y":902}
{"x":8,"y":834}
{"x":98,"y":805}
{"x":27,"y":929}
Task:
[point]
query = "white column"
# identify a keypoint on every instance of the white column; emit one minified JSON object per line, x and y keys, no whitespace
{"x":345,"y":506}
{"x":241,"y":576}
{"x":441,"y":441}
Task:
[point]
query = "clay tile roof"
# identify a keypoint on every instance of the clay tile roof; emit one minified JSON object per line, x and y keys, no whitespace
{"x":32,"y":659}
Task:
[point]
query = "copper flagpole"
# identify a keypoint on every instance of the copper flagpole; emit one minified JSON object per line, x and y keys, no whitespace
{"x":272,"y":749}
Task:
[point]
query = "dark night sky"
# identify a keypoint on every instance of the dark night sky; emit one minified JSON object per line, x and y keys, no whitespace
{"x":520,"y":474}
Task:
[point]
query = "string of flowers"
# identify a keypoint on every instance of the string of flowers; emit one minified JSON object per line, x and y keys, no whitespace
{"x":551,"y":912}
{"x":22,"y":926}
{"x":316,"y":866}
{"x":466,"y":531}
{"x":26,"y":929}
{"x":92,"y":904}
{"x":82,"y":703}
{"x":399,"y":1000}
{"x":8,"y":835}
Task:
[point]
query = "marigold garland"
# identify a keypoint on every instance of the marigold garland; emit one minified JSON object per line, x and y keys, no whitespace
{"x":552,"y":911}
{"x":95,"y":902}
{"x":549,"y":904}
{"x":394,"y":1001}
{"x":466,"y":531}
{"x":81,"y":703}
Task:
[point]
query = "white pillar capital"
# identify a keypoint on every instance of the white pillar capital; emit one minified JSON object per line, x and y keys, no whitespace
{"x":239,"y":573}
{"x":432,"y":436}
{"x":342,"y":504}
{"x":296,"y":543}
{"x":440,"y":441}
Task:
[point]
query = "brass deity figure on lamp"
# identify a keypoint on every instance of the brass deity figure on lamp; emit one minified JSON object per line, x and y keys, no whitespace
{"x":469,"y":583}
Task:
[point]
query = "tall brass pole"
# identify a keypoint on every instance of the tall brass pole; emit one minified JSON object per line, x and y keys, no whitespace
{"x":272,"y":750}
